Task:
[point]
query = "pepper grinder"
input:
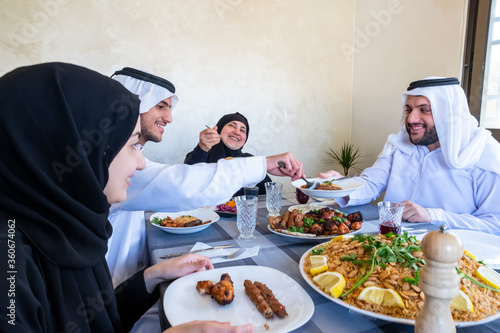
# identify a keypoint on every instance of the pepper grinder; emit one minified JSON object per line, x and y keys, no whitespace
{"x":439,"y":281}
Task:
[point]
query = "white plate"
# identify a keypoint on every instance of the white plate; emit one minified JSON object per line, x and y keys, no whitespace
{"x":377,"y":315}
{"x":201,"y":213}
{"x":483,"y":246}
{"x":348,"y":186}
{"x":315,"y":237}
{"x":182,"y":303}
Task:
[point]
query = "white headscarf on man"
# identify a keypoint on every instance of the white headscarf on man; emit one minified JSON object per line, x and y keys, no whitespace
{"x":149,"y":93}
{"x":463,"y":143}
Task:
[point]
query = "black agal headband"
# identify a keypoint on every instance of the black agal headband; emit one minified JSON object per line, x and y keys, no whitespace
{"x":433,"y":83}
{"x":140,"y":75}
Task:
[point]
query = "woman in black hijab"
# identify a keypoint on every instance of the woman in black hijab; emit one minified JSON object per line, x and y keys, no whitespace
{"x":224,"y":141}
{"x":62,"y":127}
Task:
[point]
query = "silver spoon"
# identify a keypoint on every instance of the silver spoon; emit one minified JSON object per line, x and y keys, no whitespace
{"x":310,"y":184}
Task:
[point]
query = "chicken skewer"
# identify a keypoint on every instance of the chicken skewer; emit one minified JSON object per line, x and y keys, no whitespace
{"x":276,"y":306}
{"x":256,"y":297}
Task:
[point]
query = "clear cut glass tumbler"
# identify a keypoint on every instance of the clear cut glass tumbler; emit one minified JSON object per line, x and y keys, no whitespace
{"x":246,"y":215}
{"x":273,"y":198}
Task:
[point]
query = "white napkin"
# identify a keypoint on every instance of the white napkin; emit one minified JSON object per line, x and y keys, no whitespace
{"x":249,"y":252}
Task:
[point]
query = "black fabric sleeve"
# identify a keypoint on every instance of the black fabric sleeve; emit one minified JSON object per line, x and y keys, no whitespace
{"x":262,"y":187}
{"x":24,"y":303}
{"x":197,"y":155}
{"x":133,"y":299}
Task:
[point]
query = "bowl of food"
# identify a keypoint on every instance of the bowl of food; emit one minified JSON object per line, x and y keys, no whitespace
{"x":328,"y":188}
{"x":186,"y":222}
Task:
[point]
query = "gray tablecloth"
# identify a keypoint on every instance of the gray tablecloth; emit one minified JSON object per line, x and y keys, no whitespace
{"x":283,"y":253}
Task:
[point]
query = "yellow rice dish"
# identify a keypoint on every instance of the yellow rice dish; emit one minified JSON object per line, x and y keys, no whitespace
{"x":353,"y":259}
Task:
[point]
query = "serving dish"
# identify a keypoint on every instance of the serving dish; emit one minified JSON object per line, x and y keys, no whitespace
{"x":203,"y":214}
{"x":373,"y":314}
{"x":182,"y":303}
{"x":310,"y":236}
{"x":348,"y":186}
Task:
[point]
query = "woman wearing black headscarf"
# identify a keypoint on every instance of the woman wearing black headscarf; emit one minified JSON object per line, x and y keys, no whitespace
{"x":224,"y":141}
{"x":69,"y":147}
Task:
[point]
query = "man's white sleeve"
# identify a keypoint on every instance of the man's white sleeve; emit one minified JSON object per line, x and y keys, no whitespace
{"x":161,"y":187}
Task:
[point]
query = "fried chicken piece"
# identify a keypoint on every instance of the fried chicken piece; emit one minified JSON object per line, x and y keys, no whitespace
{"x":355,"y":217}
{"x":343,"y":229}
{"x":204,"y":287}
{"x":316,"y":229}
{"x":330,"y":228}
{"x":356,"y":225}
{"x":291,"y":218}
{"x":223,"y":291}
{"x":327,"y":213}
{"x":278,"y":308}
{"x":256,"y":297}
{"x":298,"y":220}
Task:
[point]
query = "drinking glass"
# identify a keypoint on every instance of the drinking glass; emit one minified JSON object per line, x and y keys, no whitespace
{"x":301,"y":197}
{"x":251,"y":191}
{"x":273,"y":198}
{"x":390,"y":215}
{"x":246,"y":215}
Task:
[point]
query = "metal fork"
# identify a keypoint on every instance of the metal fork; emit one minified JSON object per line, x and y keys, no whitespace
{"x":230,"y":256}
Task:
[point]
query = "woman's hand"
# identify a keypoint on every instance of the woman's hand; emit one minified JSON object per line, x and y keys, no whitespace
{"x":210,"y":327}
{"x":293,"y":167}
{"x":174,"y":268}
{"x":415,"y":213}
{"x":209,"y":138}
{"x":329,"y":174}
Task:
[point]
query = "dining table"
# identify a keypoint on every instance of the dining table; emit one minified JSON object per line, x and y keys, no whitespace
{"x":283,"y":254}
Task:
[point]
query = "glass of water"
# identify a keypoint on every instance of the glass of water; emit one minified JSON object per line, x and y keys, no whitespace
{"x":273,"y":198}
{"x":246,"y":215}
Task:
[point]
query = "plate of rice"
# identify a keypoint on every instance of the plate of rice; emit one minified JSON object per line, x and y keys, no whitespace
{"x":347,"y":255}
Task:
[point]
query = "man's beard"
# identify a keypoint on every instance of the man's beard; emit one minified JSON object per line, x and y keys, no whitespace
{"x":148,"y":136}
{"x":430,"y":136}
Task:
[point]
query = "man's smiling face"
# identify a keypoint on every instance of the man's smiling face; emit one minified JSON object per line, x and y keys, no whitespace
{"x":419,"y":122}
{"x":154,"y":121}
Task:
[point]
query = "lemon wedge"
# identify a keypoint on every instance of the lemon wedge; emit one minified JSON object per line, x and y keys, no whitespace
{"x":470,"y":255}
{"x":337,"y":239}
{"x":462,"y":302}
{"x":318,"y":264}
{"x":333,"y":282}
{"x":489,"y":276}
{"x":376,"y":295}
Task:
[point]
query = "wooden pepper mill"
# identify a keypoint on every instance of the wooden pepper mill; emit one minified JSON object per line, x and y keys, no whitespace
{"x":439,"y":281}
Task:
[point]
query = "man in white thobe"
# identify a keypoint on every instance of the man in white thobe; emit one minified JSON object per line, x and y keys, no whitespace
{"x":171,"y":188}
{"x":441,"y":164}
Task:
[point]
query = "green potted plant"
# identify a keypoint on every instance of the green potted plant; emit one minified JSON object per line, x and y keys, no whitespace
{"x":348,"y":156}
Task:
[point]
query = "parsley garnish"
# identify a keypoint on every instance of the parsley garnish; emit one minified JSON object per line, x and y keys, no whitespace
{"x":414,"y":280}
{"x":308,"y":222}
{"x":318,"y":251}
{"x":295,"y":229}
{"x":382,"y":253}
{"x":156,"y":220}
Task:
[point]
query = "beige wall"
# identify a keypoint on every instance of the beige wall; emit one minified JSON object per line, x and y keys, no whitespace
{"x":308,"y":74}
